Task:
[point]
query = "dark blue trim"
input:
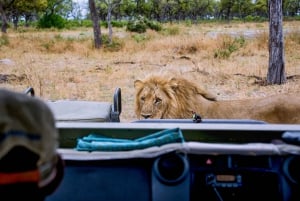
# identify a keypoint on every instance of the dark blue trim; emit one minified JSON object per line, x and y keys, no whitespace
{"x":30,"y":136}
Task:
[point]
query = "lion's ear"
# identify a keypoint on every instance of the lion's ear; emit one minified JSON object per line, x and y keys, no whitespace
{"x":138,"y":84}
{"x":173,"y":82}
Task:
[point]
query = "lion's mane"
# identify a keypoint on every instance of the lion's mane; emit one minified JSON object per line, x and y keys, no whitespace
{"x":159,"y":97}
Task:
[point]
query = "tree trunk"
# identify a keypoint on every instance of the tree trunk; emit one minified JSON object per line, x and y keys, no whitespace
{"x":276,"y":71}
{"x":3,"y":19}
{"x":27,"y":18}
{"x":96,"y":26}
{"x":15,"y":21}
{"x":110,"y":31}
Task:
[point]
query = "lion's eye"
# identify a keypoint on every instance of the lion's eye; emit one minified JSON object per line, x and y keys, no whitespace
{"x":157,"y":100}
{"x":142,"y":98}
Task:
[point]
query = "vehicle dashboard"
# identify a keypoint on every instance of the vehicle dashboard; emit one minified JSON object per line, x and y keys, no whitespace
{"x":217,"y":161}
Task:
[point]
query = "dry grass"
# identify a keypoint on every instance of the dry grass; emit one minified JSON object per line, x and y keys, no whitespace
{"x":63,"y":64}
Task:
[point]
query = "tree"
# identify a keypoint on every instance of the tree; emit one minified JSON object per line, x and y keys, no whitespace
{"x":203,"y":8}
{"x":111,"y":4}
{"x":291,"y":7}
{"x":261,"y":8}
{"x":226,"y":8}
{"x":127,"y":8}
{"x":276,"y":70}
{"x":4,"y":6}
{"x":96,"y":26}
{"x":242,"y":8}
{"x":27,"y":9}
{"x":62,"y":8}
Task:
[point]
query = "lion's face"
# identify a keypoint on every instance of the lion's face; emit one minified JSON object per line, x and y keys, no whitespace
{"x":152,"y":99}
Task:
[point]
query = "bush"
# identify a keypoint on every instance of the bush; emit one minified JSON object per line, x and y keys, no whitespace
{"x":140,"y":37}
{"x":114,"y":23}
{"x":53,"y":20}
{"x":114,"y":46}
{"x":154,"y":25}
{"x":251,"y":18}
{"x":73,"y":23}
{"x":141,"y":24}
{"x":228,"y":46}
{"x":171,"y":31}
{"x":136,"y":26}
{"x":86,"y":23}
{"x":118,"y":23}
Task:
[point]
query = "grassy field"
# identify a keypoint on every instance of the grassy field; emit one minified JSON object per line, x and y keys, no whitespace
{"x":230,"y":60}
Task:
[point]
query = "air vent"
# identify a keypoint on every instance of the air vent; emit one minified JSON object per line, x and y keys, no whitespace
{"x":291,"y":167}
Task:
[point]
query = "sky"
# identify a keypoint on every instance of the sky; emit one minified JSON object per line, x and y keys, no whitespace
{"x":81,"y":1}
{"x":83,"y":5}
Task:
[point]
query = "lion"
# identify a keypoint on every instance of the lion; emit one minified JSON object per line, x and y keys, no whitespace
{"x":158,"y":97}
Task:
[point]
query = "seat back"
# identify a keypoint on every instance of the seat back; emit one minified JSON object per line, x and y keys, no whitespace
{"x":85,"y":111}
{"x":30,"y":167}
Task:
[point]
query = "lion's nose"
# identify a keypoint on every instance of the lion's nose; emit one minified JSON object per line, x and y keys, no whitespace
{"x":146,"y":116}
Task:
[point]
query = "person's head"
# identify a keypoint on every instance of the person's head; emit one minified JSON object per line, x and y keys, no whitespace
{"x":30,"y":167}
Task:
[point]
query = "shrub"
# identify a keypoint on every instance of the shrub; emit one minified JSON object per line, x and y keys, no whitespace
{"x":172,"y":31}
{"x":86,"y":23}
{"x":118,"y":23}
{"x":114,"y":46}
{"x":139,"y":37}
{"x":53,"y":20}
{"x":141,"y":24}
{"x":228,"y":46}
{"x":136,"y":26}
{"x":154,"y":25}
{"x":251,"y":18}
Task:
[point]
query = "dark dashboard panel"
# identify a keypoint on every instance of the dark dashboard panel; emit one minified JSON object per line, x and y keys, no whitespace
{"x":219,"y":161}
{"x":241,"y":178}
{"x":177,"y":176}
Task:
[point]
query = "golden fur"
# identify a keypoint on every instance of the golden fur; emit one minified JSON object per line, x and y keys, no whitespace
{"x":158,"y":97}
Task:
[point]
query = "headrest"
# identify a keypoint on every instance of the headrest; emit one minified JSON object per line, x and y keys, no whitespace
{"x":27,"y":122}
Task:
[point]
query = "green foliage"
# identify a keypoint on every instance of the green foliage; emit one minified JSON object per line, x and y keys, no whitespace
{"x":251,"y":18}
{"x":154,"y":25}
{"x":87,"y":23}
{"x":228,"y":46}
{"x":136,"y":26}
{"x":188,"y":22}
{"x":141,"y":24}
{"x":140,"y":37}
{"x":25,"y":6}
{"x":114,"y":46}
{"x":114,"y":23}
{"x":52,"y":21}
{"x":74,"y":23}
{"x":80,"y":23}
{"x":172,"y":31}
{"x":120,"y":24}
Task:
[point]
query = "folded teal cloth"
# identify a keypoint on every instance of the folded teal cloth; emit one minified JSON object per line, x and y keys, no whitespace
{"x":96,"y":142}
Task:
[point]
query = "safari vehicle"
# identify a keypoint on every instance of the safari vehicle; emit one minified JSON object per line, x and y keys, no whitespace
{"x":177,"y":159}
